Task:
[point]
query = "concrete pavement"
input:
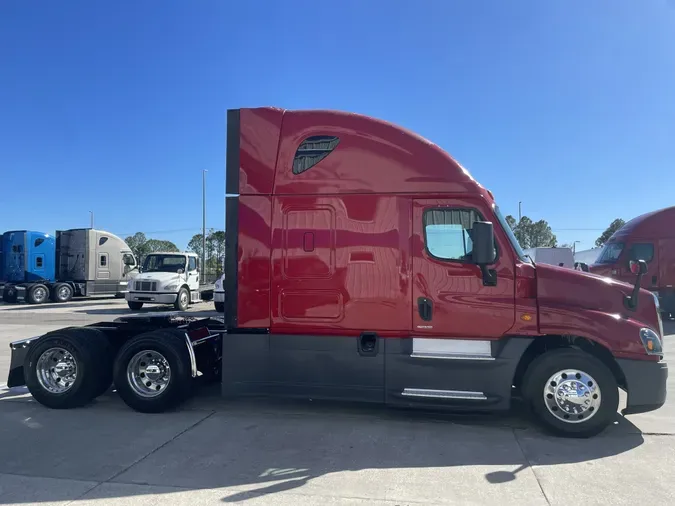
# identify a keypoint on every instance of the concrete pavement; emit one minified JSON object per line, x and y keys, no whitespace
{"x":213,"y":451}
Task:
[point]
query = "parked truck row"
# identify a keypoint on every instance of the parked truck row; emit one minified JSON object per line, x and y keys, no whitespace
{"x":364,"y":263}
{"x":38,"y":267}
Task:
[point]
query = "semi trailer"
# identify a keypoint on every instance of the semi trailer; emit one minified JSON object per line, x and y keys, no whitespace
{"x":364,"y":263}
{"x":38,"y":267}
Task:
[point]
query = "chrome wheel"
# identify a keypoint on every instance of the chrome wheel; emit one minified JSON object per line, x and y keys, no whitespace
{"x":572,"y":396}
{"x":183,"y":298}
{"x":63,"y":292}
{"x":148,"y":373}
{"x":39,"y":294}
{"x":56,"y":370}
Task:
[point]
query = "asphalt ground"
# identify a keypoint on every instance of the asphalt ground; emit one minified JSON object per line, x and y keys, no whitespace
{"x":213,"y":451}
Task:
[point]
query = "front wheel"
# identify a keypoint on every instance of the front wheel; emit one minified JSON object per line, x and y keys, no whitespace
{"x":182,"y":300}
{"x":220,"y":306}
{"x":10,"y":295}
{"x":571,"y":393}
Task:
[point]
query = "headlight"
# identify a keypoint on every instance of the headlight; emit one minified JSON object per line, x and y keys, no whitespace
{"x":651,"y":342}
{"x":170,"y":288}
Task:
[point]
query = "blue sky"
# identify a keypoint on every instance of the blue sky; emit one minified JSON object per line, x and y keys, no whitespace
{"x":116,"y":107}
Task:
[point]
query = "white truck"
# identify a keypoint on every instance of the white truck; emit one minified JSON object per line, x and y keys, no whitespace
{"x":219,"y":294}
{"x":562,"y":257}
{"x":168,"y":278}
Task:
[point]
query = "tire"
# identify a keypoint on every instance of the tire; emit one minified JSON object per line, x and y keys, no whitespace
{"x":85,"y":349}
{"x":37,"y":294}
{"x":10,"y":294}
{"x":62,"y":292}
{"x":135,"y":306}
{"x":220,"y":306}
{"x":167,"y":349}
{"x":586,"y":417}
{"x":182,"y":300}
{"x":206,"y":295}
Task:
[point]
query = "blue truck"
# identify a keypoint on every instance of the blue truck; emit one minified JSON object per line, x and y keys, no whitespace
{"x":37,"y":267}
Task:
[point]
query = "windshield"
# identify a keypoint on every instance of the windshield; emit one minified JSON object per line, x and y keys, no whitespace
{"x":610,"y":253}
{"x":164,"y":263}
{"x":512,"y":238}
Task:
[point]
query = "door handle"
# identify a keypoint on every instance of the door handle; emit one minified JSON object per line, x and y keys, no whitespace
{"x":425,"y":308}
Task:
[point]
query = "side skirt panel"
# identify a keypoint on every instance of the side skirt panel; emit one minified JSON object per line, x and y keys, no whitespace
{"x":329,"y":367}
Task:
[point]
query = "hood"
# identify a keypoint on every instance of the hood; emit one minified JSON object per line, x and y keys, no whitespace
{"x":162,"y":277}
{"x":557,"y":286}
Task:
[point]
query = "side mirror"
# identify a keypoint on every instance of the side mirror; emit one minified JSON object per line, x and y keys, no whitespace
{"x":581,"y":266}
{"x":483,"y":237}
{"x":638,"y":267}
{"x":180,"y":271}
{"x":483,"y":252}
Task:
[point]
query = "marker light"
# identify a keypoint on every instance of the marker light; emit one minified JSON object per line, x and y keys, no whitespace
{"x":651,"y":342}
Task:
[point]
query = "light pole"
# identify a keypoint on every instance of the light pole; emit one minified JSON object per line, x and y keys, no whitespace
{"x":204,"y":171}
{"x":520,"y":212}
{"x":91,"y":218}
{"x":574,"y":247}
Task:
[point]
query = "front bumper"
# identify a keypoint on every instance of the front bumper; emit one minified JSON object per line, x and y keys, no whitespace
{"x":219,"y":296}
{"x":151,"y":297}
{"x":646,"y":384}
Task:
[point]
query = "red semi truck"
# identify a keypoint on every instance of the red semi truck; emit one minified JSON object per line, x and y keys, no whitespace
{"x":364,"y":263}
{"x":649,"y":237}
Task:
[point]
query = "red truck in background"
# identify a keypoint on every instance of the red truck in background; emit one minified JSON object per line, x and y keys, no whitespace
{"x":364,"y":263}
{"x":649,"y":237}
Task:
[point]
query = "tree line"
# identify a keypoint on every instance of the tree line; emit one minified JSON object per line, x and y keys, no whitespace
{"x":141,"y":246}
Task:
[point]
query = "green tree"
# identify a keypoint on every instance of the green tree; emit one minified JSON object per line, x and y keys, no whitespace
{"x":155,"y":245}
{"x":609,"y":231}
{"x":217,"y":239}
{"x":137,"y":243}
{"x":195,"y":244}
{"x":532,"y":234}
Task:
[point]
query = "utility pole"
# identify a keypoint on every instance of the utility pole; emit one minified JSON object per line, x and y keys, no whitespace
{"x":520,"y":212}
{"x":574,"y":247}
{"x":203,"y":224}
{"x":91,"y":216}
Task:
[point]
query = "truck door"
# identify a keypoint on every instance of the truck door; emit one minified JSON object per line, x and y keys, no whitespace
{"x":450,"y":298}
{"x":192,"y":274}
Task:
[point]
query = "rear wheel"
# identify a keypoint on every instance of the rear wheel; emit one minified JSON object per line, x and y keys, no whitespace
{"x":152,"y":372}
{"x":220,"y":307}
{"x":135,"y":306}
{"x":182,"y":300}
{"x":10,"y":294}
{"x":37,"y":294}
{"x":62,"y":292}
{"x":571,"y":393}
{"x":65,"y":368}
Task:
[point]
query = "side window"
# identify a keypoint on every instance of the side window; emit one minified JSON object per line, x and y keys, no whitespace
{"x":644,"y":251}
{"x":103,"y":260}
{"x":38,"y":241}
{"x":448,"y":233}
{"x":102,"y":241}
{"x":312,"y":150}
{"x":38,"y":262}
{"x":192,"y":264}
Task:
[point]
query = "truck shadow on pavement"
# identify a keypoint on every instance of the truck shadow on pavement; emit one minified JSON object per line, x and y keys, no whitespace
{"x":252,"y":448}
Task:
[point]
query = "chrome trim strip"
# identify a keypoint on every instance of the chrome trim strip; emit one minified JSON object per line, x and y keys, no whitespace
{"x":451,"y":356}
{"x":444,"y":394}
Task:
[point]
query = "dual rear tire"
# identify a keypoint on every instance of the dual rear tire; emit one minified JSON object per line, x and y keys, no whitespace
{"x":69,"y":368}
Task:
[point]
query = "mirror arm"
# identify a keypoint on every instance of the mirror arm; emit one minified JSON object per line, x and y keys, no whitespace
{"x":489,"y":275}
